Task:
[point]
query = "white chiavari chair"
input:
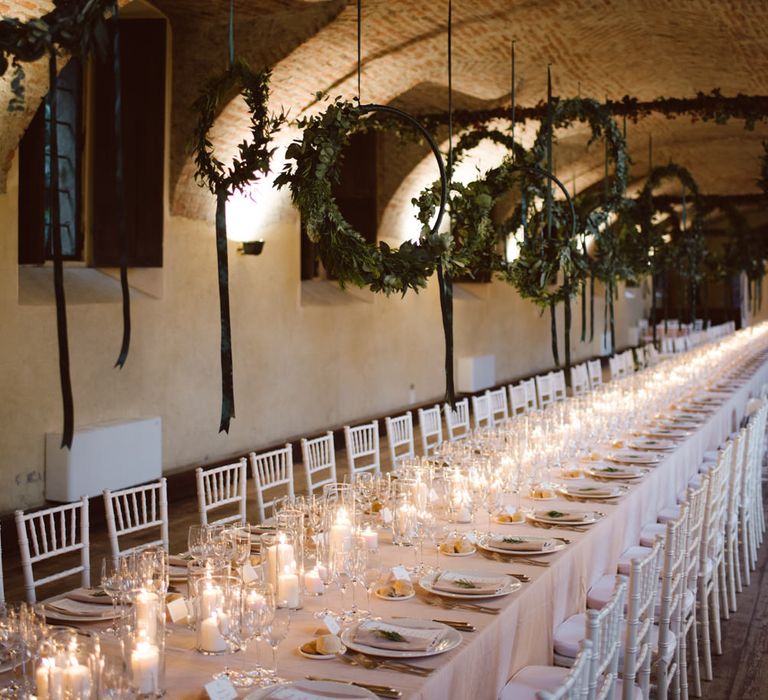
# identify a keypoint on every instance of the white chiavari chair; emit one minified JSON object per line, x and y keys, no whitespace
{"x":673,"y":583}
{"x":481,"y":412}
{"x":544,"y":390}
{"x":400,"y":438}
{"x":696,"y":502}
{"x":431,"y":429}
{"x":603,"y":629}
{"x":640,"y":643}
{"x":518,"y":400}
{"x":53,"y":532}
{"x":552,"y":682}
{"x":616,"y":367}
{"x":319,"y":458}
{"x":595,"y":371}
{"x":363,"y":454}
{"x":273,"y":477}
{"x":222,"y":488}
{"x":137,"y":509}
{"x":531,"y":395}
{"x":628,"y":358}
{"x":733,"y":569}
{"x":711,"y":564}
{"x":579,"y":379}
{"x":498,"y":406}
{"x":457,"y":420}
{"x":559,"y":389}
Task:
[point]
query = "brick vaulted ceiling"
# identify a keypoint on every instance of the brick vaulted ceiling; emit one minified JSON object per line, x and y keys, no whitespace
{"x":644,"y":48}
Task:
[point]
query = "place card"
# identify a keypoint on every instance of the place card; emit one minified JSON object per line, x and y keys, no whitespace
{"x":249,"y":573}
{"x":331,"y":625}
{"x":177,"y":610}
{"x":400,"y":573}
{"x":221,"y":689}
{"x":386,"y":515}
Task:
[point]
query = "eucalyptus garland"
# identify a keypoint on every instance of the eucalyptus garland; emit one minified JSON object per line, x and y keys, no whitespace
{"x":249,"y":165}
{"x":313,"y":165}
{"x":73,"y":26}
{"x":707,"y":107}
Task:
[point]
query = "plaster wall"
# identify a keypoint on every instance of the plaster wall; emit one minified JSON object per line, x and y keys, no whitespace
{"x":299,"y":367}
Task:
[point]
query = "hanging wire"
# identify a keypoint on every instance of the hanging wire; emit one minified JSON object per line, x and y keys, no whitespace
{"x":450,"y":93}
{"x":231,"y":32}
{"x":359,"y":45}
{"x":550,"y":128}
{"x":514,"y":95}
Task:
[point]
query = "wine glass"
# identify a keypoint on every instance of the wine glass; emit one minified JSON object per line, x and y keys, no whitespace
{"x":153,"y":569}
{"x":358,"y":558}
{"x":240,"y":545}
{"x":197,"y":541}
{"x":10,"y":645}
{"x":110,"y":584}
{"x":372,"y":574}
{"x":277,"y":631}
{"x":340,"y":563}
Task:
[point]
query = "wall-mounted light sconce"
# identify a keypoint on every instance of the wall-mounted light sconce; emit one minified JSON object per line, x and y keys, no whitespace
{"x":251,"y":247}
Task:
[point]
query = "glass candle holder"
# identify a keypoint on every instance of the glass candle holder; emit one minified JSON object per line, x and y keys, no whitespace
{"x":68,"y":667}
{"x":210,"y":615}
{"x":281,"y":568}
{"x":144,"y":644}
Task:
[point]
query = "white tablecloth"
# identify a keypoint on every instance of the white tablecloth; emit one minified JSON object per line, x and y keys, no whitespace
{"x":522,"y":633}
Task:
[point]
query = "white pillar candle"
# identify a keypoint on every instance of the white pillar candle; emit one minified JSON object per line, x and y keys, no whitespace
{"x":145,"y":668}
{"x":288,"y":589}
{"x":77,"y":681}
{"x":341,"y":532}
{"x":371,"y":538}
{"x":209,"y":600}
{"x":211,"y":639}
{"x":50,"y":680}
{"x":313,"y":584}
{"x":278,"y":556}
{"x":147,"y":610}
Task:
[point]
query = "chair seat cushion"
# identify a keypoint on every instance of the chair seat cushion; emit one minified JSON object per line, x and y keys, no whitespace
{"x":569,"y":634}
{"x":602,"y":591}
{"x":695,"y":481}
{"x":530,"y":680}
{"x":625,"y":560}
{"x":711,"y":456}
{"x":672,"y":513}
{"x":649,"y":533}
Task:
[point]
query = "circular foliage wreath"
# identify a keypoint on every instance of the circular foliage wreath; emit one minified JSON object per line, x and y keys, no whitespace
{"x":254,"y":157}
{"x":251,"y":162}
{"x":314,"y":165}
{"x":472,"y":238}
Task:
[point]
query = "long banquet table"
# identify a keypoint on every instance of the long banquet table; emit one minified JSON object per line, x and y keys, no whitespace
{"x":522,"y":633}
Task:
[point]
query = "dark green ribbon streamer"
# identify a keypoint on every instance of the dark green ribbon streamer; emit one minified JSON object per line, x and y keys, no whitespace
{"x":553,"y":332}
{"x":120,"y":195}
{"x":58,"y":268}
{"x":227,"y":388}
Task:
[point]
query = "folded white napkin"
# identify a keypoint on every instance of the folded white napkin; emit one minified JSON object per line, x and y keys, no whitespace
{"x":75,"y":607}
{"x":381,"y":635}
{"x":521,"y":544}
{"x":457,"y":582}
{"x":563,"y":516}
{"x":300,"y":690}
{"x":93,"y":596}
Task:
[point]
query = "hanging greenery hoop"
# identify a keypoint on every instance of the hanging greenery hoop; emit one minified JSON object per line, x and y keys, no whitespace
{"x":314,"y":165}
{"x":472,"y":238}
{"x":72,"y":27}
{"x":251,"y":163}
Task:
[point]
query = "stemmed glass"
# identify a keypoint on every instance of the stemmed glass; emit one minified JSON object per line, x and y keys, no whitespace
{"x":372,"y":574}
{"x":358,"y":559}
{"x":197,"y":542}
{"x":10,"y":645}
{"x":277,"y":631}
{"x":240,"y":542}
{"x":110,"y":584}
{"x":341,"y":573}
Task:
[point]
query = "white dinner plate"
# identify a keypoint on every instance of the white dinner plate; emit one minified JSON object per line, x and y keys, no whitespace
{"x":90,"y":612}
{"x":634,"y":457}
{"x":323,"y":689}
{"x":611,"y":472}
{"x":509,"y":585}
{"x":555,"y":545}
{"x":685,"y":416}
{"x":588,"y":517}
{"x":666,"y":433}
{"x":653,"y":444}
{"x":593,"y":490}
{"x":450,"y":640}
